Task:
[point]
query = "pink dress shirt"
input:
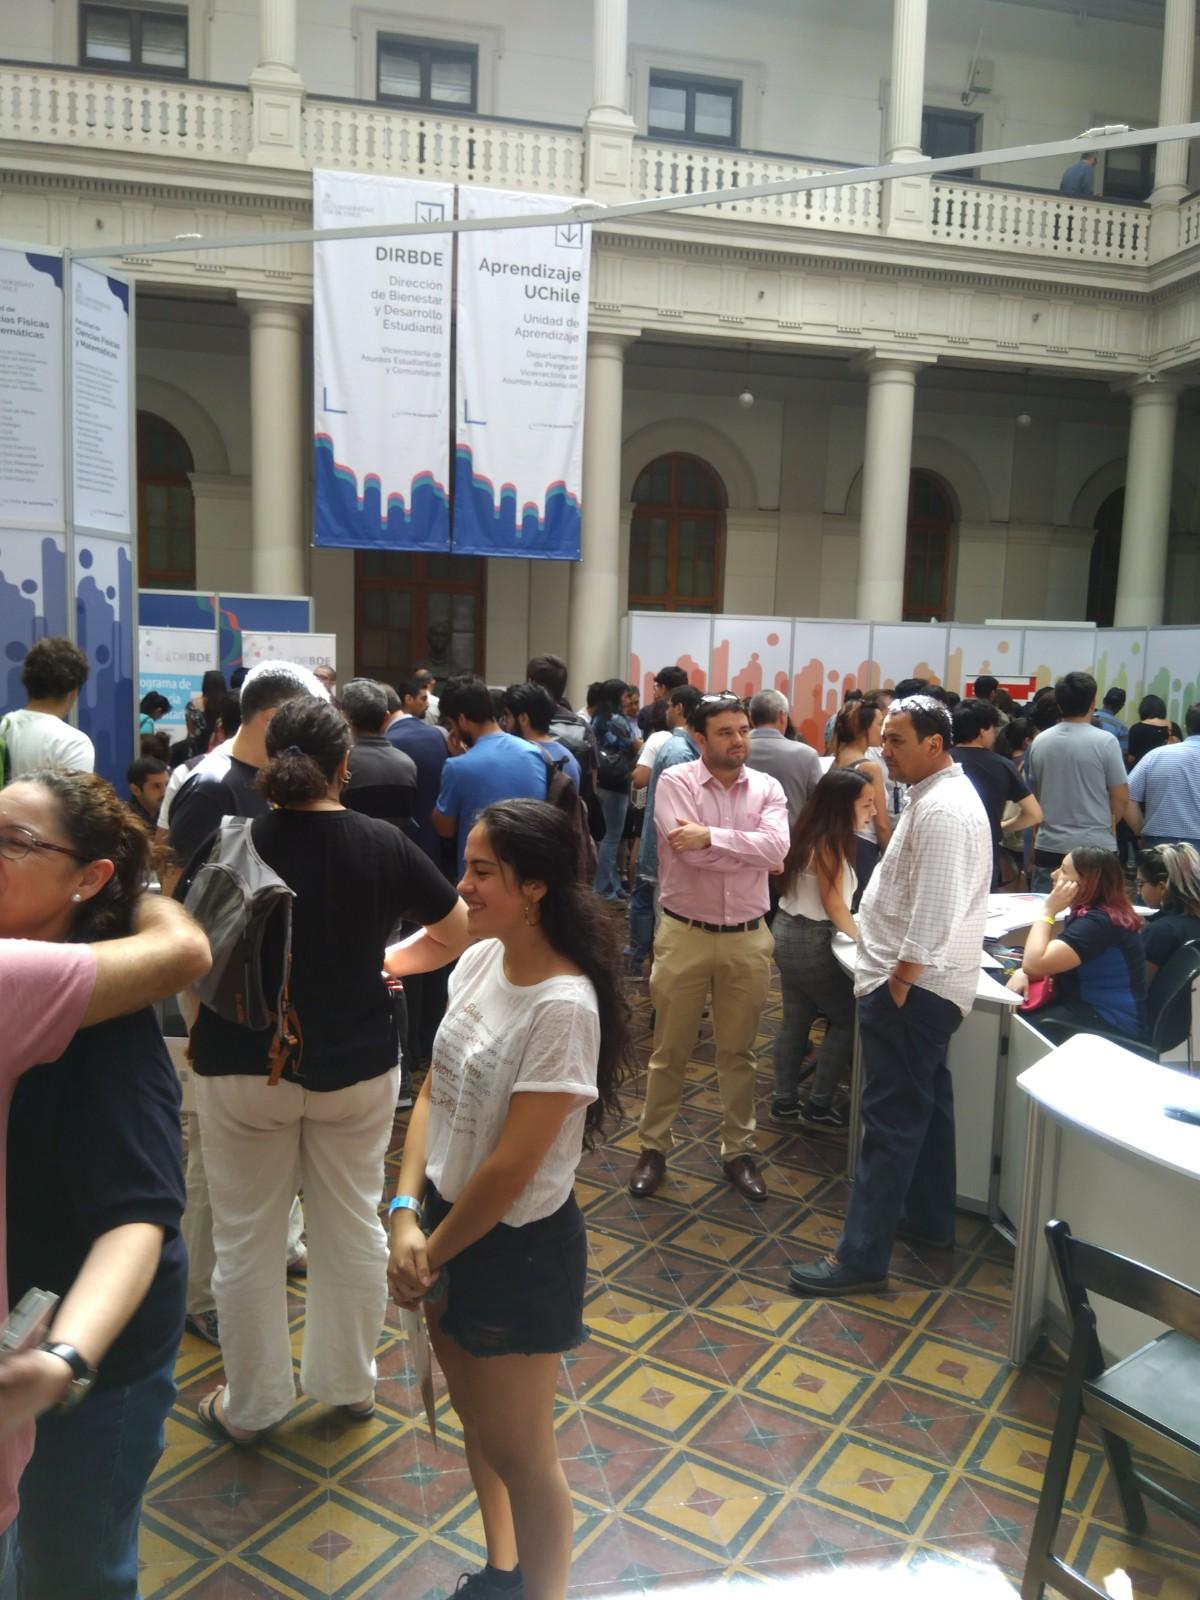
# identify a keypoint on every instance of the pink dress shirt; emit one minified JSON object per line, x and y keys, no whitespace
{"x":748,"y":822}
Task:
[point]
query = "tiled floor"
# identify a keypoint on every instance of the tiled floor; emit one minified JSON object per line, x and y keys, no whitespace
{"x":717,"y":1433}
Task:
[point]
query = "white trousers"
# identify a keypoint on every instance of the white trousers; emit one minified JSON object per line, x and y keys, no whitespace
{"x":260,"y":1145}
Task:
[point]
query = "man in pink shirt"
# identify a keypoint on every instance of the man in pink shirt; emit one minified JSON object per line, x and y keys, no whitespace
{"x":47,"y":992}
{"x":722,"y":829}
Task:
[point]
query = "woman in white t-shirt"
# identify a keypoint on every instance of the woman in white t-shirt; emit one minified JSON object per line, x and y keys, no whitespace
{"x":526,"y":1063}
{"x":819,"y":879}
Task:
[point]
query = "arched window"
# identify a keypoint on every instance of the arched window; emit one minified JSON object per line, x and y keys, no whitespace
{"x":677,"y":537}
{"x":1105,"y":561}
{"x":166,"y":506}
{"x":413,"y":609}
{"x":928,"y":560}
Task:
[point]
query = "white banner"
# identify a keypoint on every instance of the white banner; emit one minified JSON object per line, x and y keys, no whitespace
{"x":100,"y":393}
{"x":172,"y":662}
{"x":31,"y":390}
{"x":305,"y":649}
{"x":522,"y":363}
{"x":381,"y":366}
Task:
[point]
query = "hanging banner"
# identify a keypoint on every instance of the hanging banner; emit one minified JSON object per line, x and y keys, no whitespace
{"x":100,"y":397}
{"x":381,"y":366}
{"x":304,"y":649}
{"x":522,"y":360}
{"x":31,"y":390}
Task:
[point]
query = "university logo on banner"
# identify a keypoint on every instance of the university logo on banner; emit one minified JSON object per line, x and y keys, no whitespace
{"x":522,"y":356}
{"x":381,"y":366}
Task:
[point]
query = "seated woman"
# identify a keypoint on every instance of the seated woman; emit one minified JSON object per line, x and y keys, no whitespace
{"x":1168,"y":880}
{"x":95,"y":1196}
{"x":1094,"y":955}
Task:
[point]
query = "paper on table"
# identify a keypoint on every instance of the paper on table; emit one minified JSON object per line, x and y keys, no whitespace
{"x":422,"y":1360}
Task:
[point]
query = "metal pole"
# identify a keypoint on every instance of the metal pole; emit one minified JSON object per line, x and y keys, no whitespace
{"x":68,"y":293}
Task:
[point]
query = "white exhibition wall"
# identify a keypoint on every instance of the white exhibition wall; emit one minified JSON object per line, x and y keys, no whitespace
{"x":815,"y":661}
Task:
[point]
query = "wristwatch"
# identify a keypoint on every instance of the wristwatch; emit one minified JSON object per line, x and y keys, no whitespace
{"x":83,"y":1376}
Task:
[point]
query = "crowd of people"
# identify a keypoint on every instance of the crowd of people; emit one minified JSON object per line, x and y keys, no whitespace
{"x":456,"y":895}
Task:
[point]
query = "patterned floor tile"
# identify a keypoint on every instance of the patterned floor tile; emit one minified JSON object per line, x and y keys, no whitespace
{"x":884,"y":1485}
{"x":626,"y":1319}
{"x":658,"y":1398}
{"x":330,"y":1550}
{"x":716,"y":1508}
{"x":1154,"y":1574}
{"x":811,"y":1385}
{"x":954,"y":1369}
{"x":839,"y":1329}
{"x":898,"y":1414}
{"x":1016,"y":1457}
{"x":776,"y":1443}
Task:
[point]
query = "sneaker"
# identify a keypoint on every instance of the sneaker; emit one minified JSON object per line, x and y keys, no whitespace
{"x":204,"y":1325}
{"x":483,"y":1586}
{"x":785,"y":1110}
{"x":823,"y":1119}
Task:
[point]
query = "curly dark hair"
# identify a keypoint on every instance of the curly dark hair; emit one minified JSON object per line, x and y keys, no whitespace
{"x":53,"y":668}
{"x":306,"y":740}
{"x":96,"y":824}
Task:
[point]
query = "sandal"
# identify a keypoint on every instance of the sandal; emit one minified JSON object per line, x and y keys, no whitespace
{"x":207,"y":1411}
{"x":359,"y":1413}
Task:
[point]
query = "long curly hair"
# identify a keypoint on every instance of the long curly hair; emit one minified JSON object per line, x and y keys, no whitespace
{"x":100,"y":827}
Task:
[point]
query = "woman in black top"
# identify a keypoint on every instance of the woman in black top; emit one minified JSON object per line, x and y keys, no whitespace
{"x":95,"y":1196}
{"x":324,"y":1127}
{"x":1168,"y":880}
{"x":1150,"y":730}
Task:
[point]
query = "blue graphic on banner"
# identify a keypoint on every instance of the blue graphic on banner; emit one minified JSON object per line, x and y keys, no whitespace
{"x":344,"y":517}
{"x":487,"y":525}
{"x":33,"y":602}
{"x":104,"y":628}
{"x":235,"y":614}
{"x":182,"y":610}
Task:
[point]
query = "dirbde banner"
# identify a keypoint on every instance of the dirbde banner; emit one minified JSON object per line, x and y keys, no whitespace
{"x":381,"y":366}
{"x":522,"y":354}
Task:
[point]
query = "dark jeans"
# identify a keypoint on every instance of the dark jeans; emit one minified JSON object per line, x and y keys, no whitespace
{"x":641,"y":919}
{"x":1149,"y":840}
{"x":81,"y":1495}
{"x":866,"y":859}
{"x":812,"y":982}
{"x":8,"y":1568}
{"x":1045,"y":862}
{"x":906,"y":1176}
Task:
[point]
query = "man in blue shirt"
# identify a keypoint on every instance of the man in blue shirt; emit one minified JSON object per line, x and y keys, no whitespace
{"x":678,"y":748}
{"x":531,"y":710}
{"x":1080,"y":176}
{"x":496,"y":765}
{"x":1108,"y":718}
{"x":1164,"y":790}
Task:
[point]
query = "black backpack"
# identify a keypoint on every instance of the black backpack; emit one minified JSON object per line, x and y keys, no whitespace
{"x":561,"y":792}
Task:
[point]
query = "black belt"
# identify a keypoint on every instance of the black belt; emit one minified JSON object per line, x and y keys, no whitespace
{"x":715,"y":927}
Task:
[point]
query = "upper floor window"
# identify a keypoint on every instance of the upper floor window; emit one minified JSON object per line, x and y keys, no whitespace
{"x":685,"y":107}
{"x":950,"y":133}
{"x":417,"y":73}
{"x":136,"y":38}
{"x":676,"y":537}
{"x":166,"y":506}
{"x":1128,"y":174}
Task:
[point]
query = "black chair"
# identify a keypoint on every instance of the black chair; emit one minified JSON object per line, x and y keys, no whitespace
{"x":1168,"y":1012}
{"x":1151,"y":1399}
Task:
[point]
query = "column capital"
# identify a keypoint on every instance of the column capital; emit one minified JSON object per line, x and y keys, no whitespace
{"x":285,"y":314}
{"x":613,"y":345}
{"x":878,"y":362}
{"x":1149,"y":389}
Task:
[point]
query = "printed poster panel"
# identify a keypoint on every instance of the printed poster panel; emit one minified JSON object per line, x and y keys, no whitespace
{"x":381,"y":366}
{"x":660,"y":639}
{"x":1046,"y":653}
{"x":305,"y":649}
{"x":972,"y":651}
{"x":522,"y":364}
{"x":751,"y":653}
{"x":100,"y":360}
{"x":907,"y":650}
{"x":103,"y":583}
{"x":239,"y":614}
{"x":31,"y":390}
{"x":33,"y":601}
{"x":828,"y":659}
{"x":1121,"y":664}
{"x":1173,"y":668}
{"x":172,"y":662}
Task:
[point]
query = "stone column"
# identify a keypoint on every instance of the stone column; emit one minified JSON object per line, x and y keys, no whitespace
{"x":1146,"y":527}
{"x":906,"y":200}
{"x":279,"y":562}
{"x":609,"y":129}
{"x":276,"y":89}
{"x":593,"y":634}
{"x":1174,"y":105}
{"x":887,"y":462}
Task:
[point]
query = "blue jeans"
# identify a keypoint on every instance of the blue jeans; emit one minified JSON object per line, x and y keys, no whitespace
{"x":812,"y":981}
{"x":8,"y":1563}
{"x":1149,"y":840}
{"x":641,"y":923}
{"x":614,"y":803}
{"x":906,"y":1175}
{"x":81,"y":1495}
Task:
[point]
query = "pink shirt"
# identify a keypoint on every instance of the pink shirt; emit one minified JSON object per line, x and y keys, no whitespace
{"x":748,"y":823}
{"x":44,"y":992}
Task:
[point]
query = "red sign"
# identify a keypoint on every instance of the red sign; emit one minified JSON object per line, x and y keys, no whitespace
{"x":1019,"y":688}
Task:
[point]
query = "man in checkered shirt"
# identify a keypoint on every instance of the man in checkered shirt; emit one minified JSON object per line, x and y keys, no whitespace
{"x":920,"y":931}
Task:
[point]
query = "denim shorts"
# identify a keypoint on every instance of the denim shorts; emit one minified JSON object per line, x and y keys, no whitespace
{"x":516,"y":1291}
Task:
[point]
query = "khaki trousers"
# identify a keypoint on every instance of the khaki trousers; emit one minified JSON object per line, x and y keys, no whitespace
{"x":688,"y":964}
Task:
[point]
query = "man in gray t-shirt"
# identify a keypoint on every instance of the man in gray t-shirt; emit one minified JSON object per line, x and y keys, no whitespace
{"x":1079,"y":778}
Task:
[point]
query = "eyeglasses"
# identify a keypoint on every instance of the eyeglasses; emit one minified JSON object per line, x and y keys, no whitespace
{"x":17,"y":842}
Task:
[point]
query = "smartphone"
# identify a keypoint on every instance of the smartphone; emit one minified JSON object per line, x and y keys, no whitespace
{"x":28,"y":1323}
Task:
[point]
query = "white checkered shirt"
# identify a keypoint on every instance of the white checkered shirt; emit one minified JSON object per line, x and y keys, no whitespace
{"x":927,"y":901}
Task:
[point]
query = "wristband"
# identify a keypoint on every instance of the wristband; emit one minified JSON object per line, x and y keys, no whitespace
{"x":1046,"y":917}
{"x":403,"y":1202}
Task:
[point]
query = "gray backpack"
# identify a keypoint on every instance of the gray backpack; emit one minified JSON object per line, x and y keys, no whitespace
{"x":238,"y":899}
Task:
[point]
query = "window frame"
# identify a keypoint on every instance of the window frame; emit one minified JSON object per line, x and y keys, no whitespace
{"x":972,"y":119}
{"x":692,"y":82}
{"x":428,"y":50}
{"x":161,"y":577}
{"x":134,"y":67}
{"x":672,"y":510}
{"x":420,"y":585}
{"x":949,"y":529}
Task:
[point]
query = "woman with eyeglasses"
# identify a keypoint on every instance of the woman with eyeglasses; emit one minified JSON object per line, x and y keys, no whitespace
{"x":1168,"y":880}
{"x":95,"y":1196}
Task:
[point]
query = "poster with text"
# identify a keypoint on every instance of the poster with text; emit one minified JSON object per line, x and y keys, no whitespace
{"x":172,"y":662}
{"x":100,"y":358}
{"x":381,"y":366}
{"x":522,"y":363}
{"x":305,"y":649}
{"x":31,"y":390}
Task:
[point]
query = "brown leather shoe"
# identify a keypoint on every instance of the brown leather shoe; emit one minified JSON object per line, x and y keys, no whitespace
{"x":648,"y":1174}
{"x":744,"y":1175}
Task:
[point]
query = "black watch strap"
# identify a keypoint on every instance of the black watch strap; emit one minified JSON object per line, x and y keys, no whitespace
{"x":82,"y":1375}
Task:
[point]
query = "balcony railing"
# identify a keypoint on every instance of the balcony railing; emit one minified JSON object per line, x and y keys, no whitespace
{"x":690,"y":169}
{"x":1034,"y":222}
{"x":1189,"y":221}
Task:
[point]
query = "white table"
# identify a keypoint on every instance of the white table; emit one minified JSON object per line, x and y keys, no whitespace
{"x":1102,"y":1155}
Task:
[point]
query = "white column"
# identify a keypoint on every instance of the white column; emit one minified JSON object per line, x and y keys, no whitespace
{"x":277,"y":92}
{"x":609,"y":129}
{"x":887,"y":461}
{"x":906,"y":200}
{"x":1174,"y":105}
{"x":277,"y":34}
{"x":279,"y":561}
{"x":593,"y":633}
{"x":1146,"y":527}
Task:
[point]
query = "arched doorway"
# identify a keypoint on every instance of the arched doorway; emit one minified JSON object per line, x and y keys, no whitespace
{"x":677,"y":537}
{"x":1105,"y":561}
{"x":166,"y":506}
{"x":929,"y":554}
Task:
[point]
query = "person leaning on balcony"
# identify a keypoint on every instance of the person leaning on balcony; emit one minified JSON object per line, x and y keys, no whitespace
{"x":1080,"y":176}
